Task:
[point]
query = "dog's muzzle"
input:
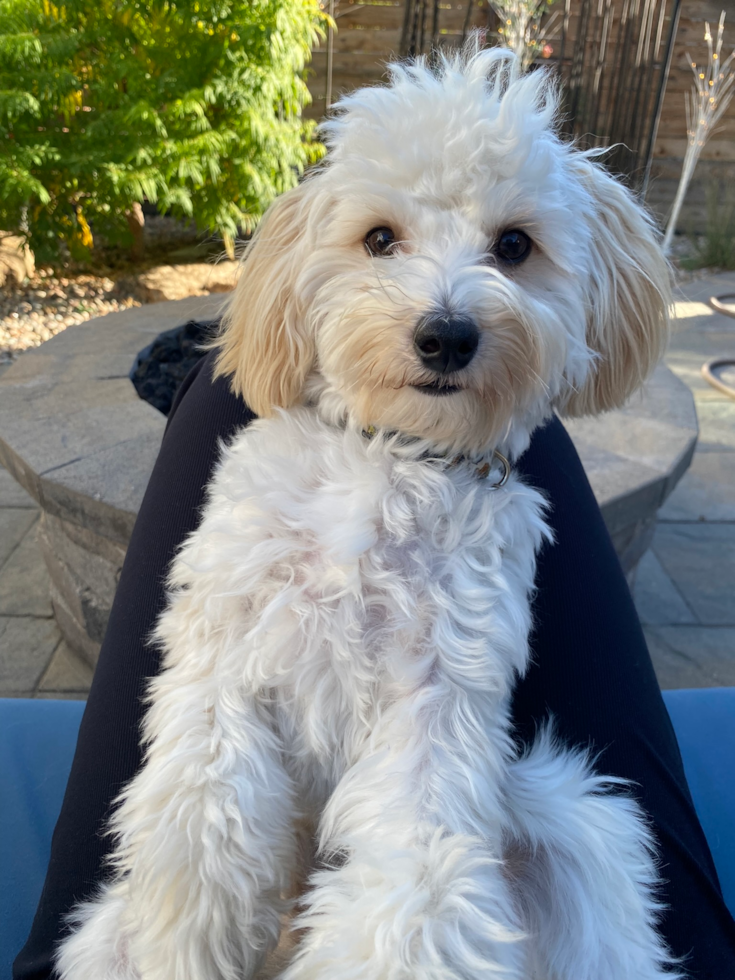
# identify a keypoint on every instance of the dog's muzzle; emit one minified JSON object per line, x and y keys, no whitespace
{"x":446,"y":343}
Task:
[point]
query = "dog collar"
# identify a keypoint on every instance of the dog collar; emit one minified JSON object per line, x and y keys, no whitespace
{"x":482,"y":470}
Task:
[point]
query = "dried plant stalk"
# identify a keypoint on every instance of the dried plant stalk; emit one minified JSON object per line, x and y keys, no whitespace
{"x":705,"y":104}
{"x":521,"y":29}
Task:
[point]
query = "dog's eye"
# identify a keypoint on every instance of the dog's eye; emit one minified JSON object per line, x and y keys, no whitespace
{"x":513,"y":247}
{"x":380,"y":241}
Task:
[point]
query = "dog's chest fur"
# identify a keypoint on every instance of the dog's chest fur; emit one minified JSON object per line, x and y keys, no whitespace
{"x":355,"y":574}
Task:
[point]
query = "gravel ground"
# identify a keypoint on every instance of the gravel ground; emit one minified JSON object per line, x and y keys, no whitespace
{"x":47,"y":304}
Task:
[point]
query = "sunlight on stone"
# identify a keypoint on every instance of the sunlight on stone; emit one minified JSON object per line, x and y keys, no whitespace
{"x":684,"y":310}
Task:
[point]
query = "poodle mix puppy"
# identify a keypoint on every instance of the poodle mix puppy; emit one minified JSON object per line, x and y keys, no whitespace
{"x":345,"y":627}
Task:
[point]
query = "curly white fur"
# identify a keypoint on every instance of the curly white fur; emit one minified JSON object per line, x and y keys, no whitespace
{"x":345,"y":627}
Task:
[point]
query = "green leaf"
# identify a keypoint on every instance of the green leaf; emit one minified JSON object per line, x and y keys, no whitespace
{"x":194,"y":104}
{"x":14,"y":103}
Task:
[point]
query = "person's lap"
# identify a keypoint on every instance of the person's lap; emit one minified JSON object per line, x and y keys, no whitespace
{"x":591,"y":672}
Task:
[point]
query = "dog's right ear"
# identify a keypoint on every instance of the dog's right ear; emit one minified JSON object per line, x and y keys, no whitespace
{"x":263,"y":346}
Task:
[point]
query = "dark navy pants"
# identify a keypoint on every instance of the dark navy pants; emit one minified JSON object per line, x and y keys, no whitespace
{"x":591,"y":671}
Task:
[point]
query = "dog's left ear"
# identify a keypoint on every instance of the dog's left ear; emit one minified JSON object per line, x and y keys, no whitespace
{"x":264,"y":346}
{"x":628,"y":298}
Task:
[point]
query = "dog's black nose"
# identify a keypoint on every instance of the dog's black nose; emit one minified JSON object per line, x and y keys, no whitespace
{"x":446,"y":342}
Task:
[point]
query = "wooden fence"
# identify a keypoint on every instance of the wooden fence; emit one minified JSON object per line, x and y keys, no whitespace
{"x":369,"y":35}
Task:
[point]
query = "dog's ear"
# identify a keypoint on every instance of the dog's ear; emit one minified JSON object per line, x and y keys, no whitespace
{"x":264,"y":347}
{"x":629,"y":294}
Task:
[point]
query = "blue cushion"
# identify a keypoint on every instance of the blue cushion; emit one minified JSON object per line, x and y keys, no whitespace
{"x":37,"y":740}
{"x":704,"y":721}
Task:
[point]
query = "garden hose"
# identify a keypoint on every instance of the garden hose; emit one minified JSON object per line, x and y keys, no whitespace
{"x":723,"y":304}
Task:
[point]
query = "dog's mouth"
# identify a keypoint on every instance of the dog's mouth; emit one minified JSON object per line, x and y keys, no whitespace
{"x":438,"y":388}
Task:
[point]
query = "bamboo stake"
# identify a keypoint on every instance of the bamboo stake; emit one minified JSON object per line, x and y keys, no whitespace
{"x":660,"y":95}
{"x":330,"y":55}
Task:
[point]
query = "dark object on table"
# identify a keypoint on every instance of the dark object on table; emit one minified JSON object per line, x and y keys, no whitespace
{"x":160,"y":367}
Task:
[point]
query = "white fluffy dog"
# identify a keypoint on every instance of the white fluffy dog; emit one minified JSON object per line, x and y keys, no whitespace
{"x":345,"y":627}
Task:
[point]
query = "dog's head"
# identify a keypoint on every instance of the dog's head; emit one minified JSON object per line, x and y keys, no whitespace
{"x":453,"y":272}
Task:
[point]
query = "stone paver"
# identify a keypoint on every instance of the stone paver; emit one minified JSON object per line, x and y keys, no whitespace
{"x":685,"y":586}
{"x":659,"y":601}
{"x":24,"y":580}
{"x":37,"y":638}
{"x":29,"y":636}
{"x":693,"y":656}
{"x":34,"y":660}
{"x":15,"y":523}
{"x":706,"y":491}
{"x":67,"y":675}
{"x":700,"y":560}
{"x":12,"y":493}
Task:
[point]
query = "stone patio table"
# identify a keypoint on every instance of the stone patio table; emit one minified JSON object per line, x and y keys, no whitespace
{"x":75,"y":434}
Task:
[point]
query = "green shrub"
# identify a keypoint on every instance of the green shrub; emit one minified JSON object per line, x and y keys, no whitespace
{"x":716,"y":248}
{"x":192,"y":104}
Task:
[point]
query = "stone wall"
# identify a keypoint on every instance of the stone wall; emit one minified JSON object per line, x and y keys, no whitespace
{"x":75,"y":434}
{"x":84,"y":568}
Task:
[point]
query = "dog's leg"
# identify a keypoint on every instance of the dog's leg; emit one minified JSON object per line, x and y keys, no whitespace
{"x":580,"y":860}
{"x":415,"y":889}
{"x":205,"y":842}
